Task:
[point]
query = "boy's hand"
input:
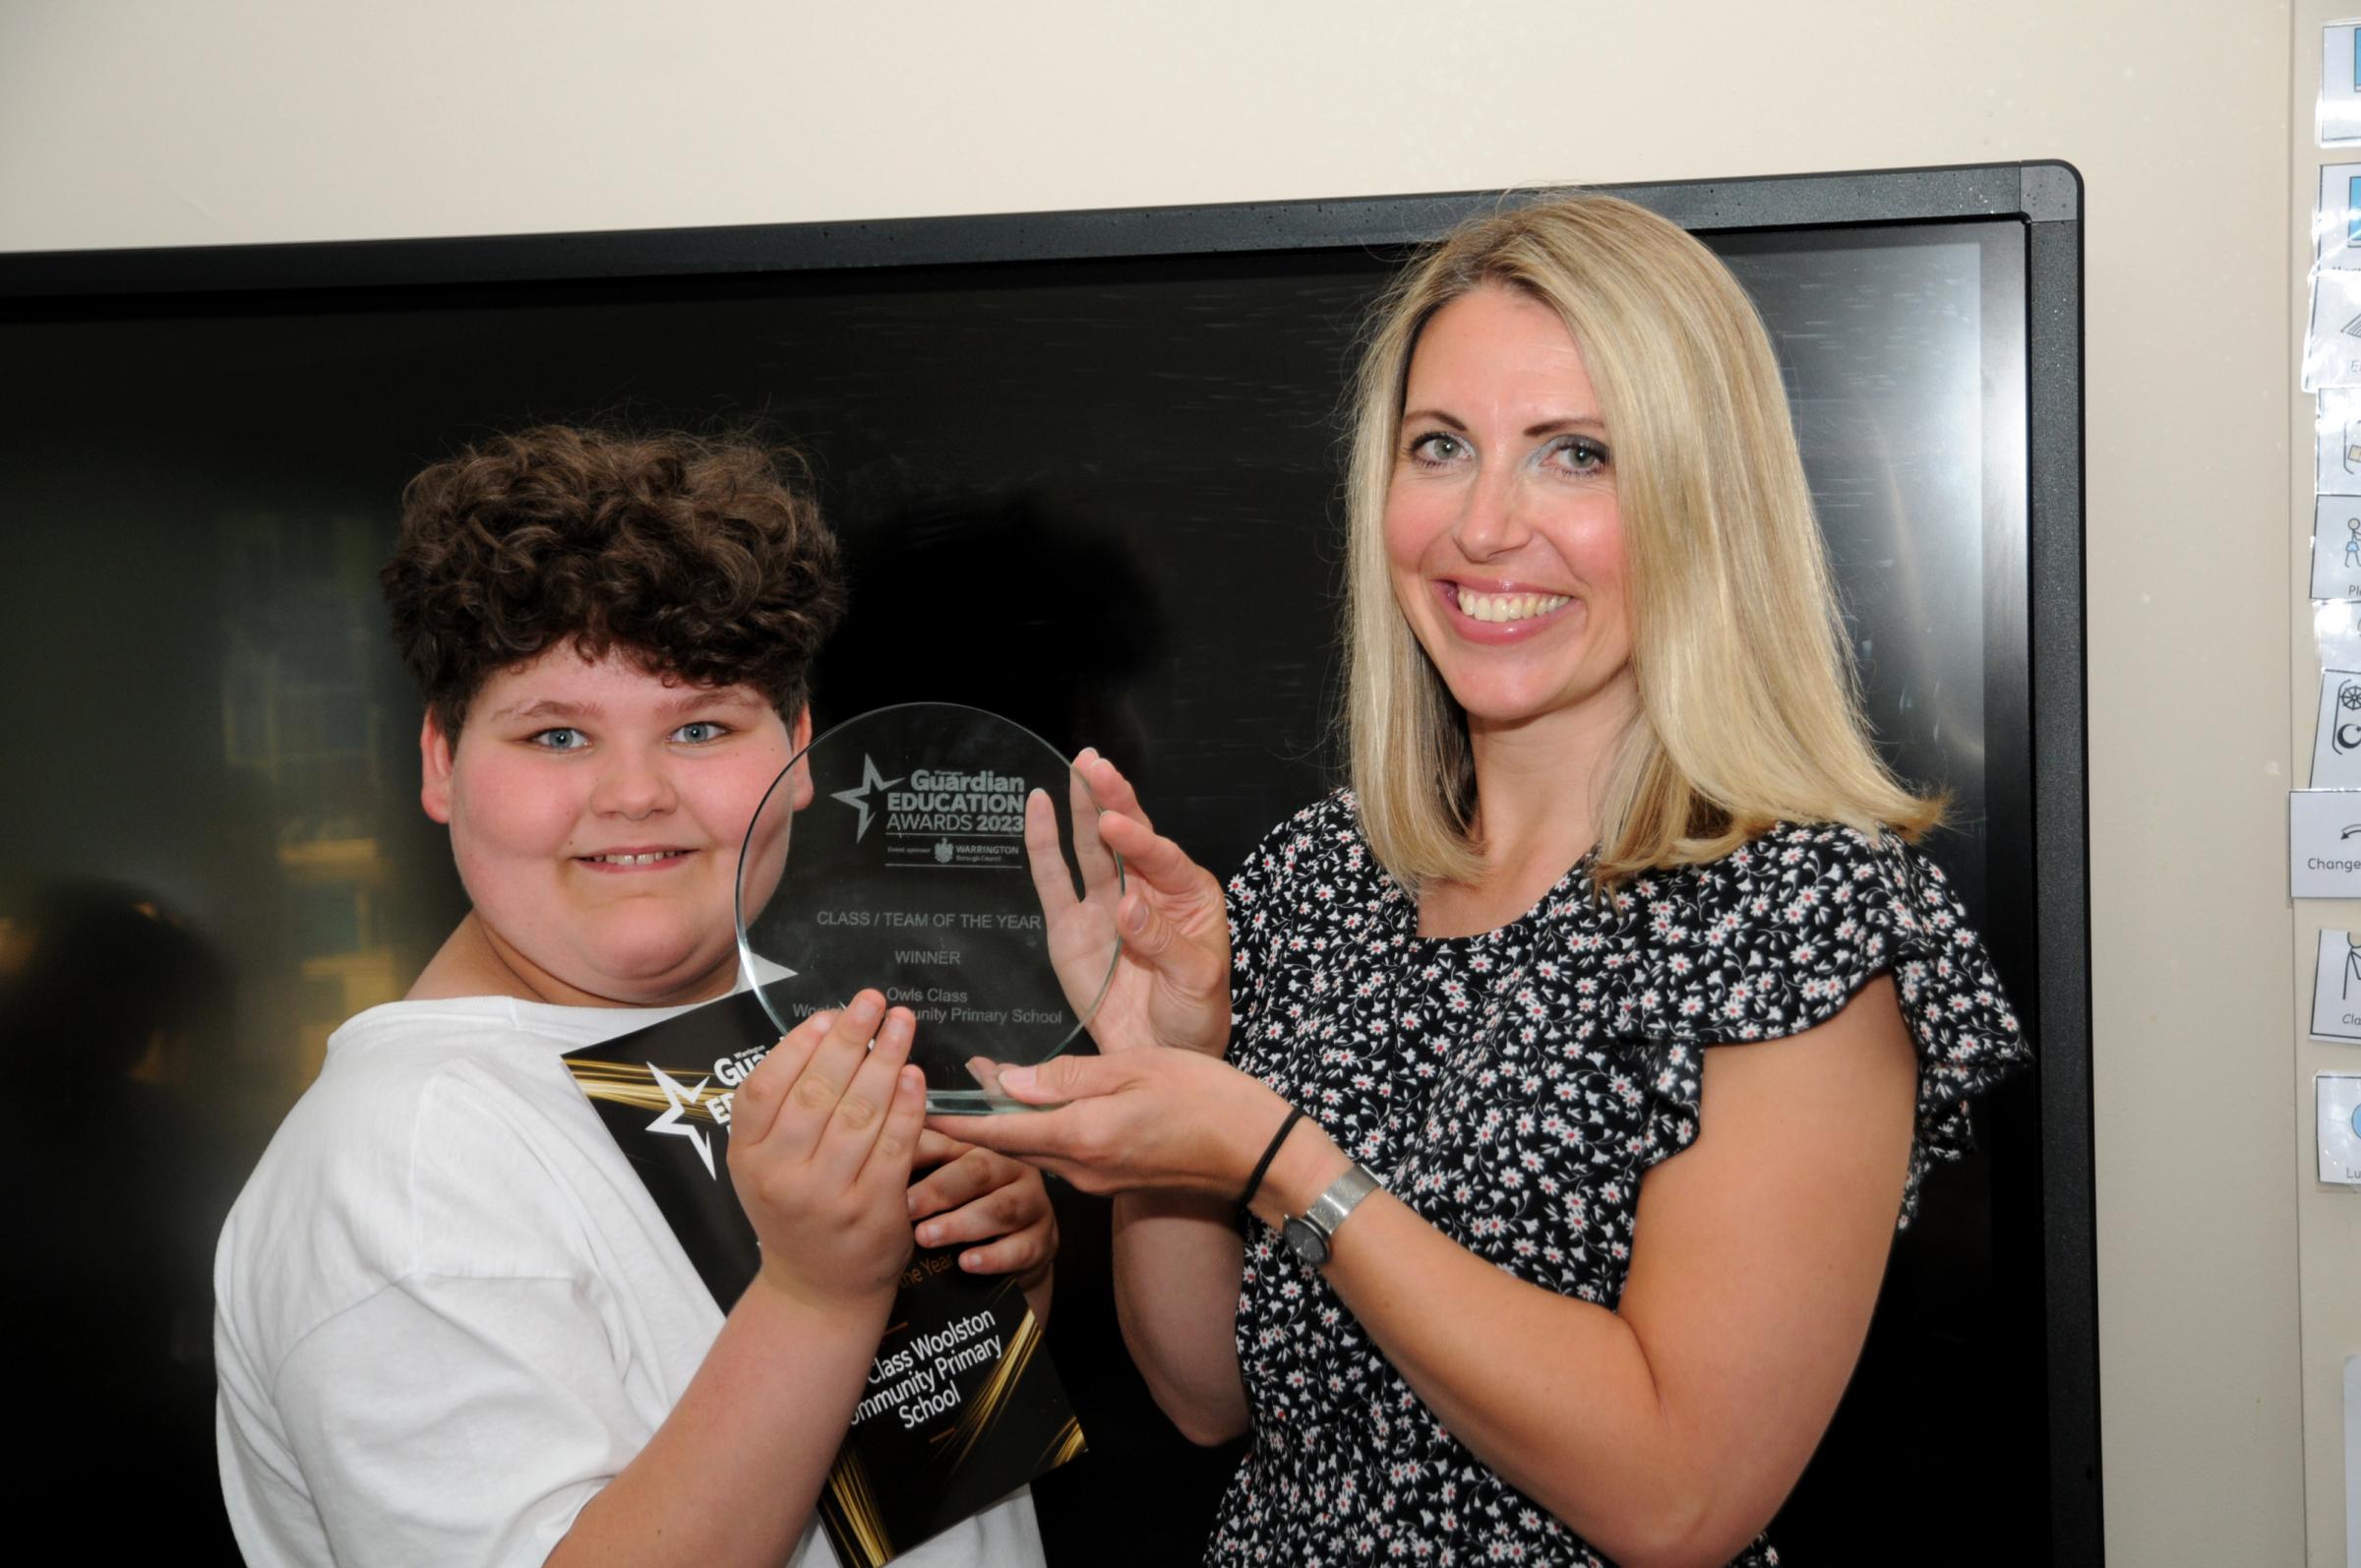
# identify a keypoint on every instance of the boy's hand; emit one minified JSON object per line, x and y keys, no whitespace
{"x":821,"y":1135}
{"x":976,"y":1195}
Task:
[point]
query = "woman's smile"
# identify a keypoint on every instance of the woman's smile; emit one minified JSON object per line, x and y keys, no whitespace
{"x":1502,"y":613}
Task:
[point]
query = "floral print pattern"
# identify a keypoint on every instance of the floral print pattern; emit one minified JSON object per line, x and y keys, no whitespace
{"x":1514,"y":1088}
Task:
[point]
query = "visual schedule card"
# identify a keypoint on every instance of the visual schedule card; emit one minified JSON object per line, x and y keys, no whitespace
{"x":2337,"y":117}
{"x":2336,"y":732}
{"x":2336,"y":444}
{"x":2336,"y":546}
{"x":2323,"y":843}
{"x":2336,"y":987}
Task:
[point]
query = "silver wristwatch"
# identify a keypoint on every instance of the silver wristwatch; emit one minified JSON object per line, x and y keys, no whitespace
{"x":1310,"y":1232}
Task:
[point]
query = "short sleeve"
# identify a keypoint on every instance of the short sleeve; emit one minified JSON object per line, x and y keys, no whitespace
{"x":1779,"y":935}
{"x":430,"y":1365}
{"x":456,"y":1419}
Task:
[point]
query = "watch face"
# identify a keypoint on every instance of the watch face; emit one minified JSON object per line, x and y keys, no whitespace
{"x":1309,"y":1243}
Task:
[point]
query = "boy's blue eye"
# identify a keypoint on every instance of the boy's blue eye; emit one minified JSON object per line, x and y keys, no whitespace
{"x":561,"y":739}
{"x":696,"y":732}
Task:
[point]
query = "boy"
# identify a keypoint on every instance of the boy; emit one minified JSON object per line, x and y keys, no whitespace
{"x":452,"y":1327}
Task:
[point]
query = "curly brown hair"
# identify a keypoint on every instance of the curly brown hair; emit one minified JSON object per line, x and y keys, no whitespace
{"x":702,"y":559}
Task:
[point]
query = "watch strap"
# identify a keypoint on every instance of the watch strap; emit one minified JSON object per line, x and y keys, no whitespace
{"x":1313,"y":1232}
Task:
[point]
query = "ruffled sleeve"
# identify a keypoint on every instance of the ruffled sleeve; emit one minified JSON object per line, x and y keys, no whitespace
{"x":1779,"y":935}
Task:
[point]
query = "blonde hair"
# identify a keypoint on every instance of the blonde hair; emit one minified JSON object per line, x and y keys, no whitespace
{"x":1749,"y":709}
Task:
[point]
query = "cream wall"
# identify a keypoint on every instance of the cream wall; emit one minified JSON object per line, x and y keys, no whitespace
{"x":268,"y":120}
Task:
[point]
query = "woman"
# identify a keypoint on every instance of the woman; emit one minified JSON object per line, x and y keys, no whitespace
{"x":1538,"y":1274}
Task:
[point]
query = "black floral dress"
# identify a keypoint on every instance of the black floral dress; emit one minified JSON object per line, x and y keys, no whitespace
{"x":1513,"y":1088}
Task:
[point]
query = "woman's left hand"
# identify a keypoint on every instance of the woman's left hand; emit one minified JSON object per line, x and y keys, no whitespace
{"x":975,"y":1195}
{"x":1138,"y":1121}
{"x":1169,"y":984}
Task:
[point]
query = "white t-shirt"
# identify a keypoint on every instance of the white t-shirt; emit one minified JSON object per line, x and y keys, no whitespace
{"x":449,"y":1312}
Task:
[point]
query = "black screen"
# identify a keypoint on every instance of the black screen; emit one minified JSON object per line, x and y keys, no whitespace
{"x":1099,"y":496}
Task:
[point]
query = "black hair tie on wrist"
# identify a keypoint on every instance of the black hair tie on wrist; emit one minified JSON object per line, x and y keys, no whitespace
{"x":1262,"y":1166}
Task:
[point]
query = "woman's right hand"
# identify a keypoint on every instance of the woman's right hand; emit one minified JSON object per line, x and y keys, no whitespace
{"x":1172,"y":981}
{"x":822,"y":1137}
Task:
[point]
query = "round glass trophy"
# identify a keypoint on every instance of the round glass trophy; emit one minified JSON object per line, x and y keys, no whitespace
{"x":949,"y":858}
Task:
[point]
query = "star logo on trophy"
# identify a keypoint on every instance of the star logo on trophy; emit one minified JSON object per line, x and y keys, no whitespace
{"x":671,"y":1124}
{"x":858,"y":796}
